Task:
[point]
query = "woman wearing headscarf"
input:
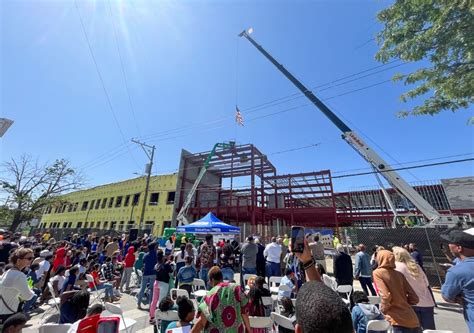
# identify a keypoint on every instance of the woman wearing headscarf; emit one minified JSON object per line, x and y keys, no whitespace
{"x":415,"y":276}
{"x":397,"y":295}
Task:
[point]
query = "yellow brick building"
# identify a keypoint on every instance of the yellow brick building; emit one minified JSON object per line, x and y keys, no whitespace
{"x":116,"y":206}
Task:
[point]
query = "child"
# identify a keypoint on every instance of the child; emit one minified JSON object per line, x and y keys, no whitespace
{"x":186,"y":313}
{"x":165,"y":305}
{"x":363,"y":312}
{"x":255,"y":305}
{"x":288,"y":310}
{"x":186,"y":275}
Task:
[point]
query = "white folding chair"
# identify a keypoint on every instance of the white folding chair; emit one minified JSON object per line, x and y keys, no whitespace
{"x":330,"y":282}
{"x":175,"y":293}
{"x":261,"y":322}
{"x":374,"y":299}
{"x":378,"y":325}
{"x":53,"y":302}
{"x":139,"y":277}
{"x":437,"y":331}
{"x":275,"y":283}
{"x":171,"y":315}
{"x":345,"y":289}
{"x":248,"y":276}
{"x":282,"y":321}
{"x":126,"y":324}
{"x":199,"y":288}
{"x":54,"y":328}
{"x":96,"y":293}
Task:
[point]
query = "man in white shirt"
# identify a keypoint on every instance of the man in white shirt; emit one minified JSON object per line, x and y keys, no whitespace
{"x":44,"y":266}
{"x":272,"y":254}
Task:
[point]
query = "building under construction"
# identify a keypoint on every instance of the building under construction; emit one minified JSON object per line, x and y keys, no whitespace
{"x":243,"y":187}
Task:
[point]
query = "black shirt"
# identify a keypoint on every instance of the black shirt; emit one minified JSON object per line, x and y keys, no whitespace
{"x":163,"y":272}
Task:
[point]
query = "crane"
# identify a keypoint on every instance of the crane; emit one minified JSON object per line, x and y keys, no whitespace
{"x":355,"y":141}
{"x":182,"y":218}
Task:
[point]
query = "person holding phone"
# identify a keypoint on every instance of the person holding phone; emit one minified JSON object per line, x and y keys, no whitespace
{"x":318,"y":307}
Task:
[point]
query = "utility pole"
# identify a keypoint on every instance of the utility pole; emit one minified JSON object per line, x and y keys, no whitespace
{"x":150,"y":152}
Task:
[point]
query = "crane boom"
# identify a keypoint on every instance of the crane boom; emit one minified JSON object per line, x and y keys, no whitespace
{"x":356,"y":142}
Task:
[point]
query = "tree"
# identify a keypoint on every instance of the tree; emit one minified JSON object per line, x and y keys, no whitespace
{"x":31,"y":187}
{"x":441,"y":32}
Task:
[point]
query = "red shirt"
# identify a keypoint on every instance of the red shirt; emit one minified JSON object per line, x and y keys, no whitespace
{"x":95,"y":275}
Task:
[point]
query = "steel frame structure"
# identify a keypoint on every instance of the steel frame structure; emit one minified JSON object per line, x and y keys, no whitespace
{"x":257,"y":198}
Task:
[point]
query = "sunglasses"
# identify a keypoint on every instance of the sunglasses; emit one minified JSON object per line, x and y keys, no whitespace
{"x":28,"y":258}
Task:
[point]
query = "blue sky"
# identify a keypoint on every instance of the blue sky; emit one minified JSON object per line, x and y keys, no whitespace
{"x":185,"y":66}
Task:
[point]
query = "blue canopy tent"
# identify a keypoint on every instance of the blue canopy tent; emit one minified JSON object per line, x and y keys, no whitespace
{"x":209,"y":224}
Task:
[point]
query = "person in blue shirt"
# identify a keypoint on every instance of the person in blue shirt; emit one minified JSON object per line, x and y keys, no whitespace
{"x":71,"y":280}
{"x":149,"y":262}
{"x":416,"y":255}
{"x":186,"y":275}
{"x":459,"y":284}
{"x":289,"y":280}
{"x":363,"y":312}
{"x":363,"y":271}
{"x":102,"y":257}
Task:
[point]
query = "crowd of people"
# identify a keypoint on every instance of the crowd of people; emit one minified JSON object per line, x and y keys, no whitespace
{"x":78,"y":264}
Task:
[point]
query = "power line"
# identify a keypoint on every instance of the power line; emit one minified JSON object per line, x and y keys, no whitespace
{"x":405,"y":168}
{"x":123,"y":70}
{"x":109,"y":102}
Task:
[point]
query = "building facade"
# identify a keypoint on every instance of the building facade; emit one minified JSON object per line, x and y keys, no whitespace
{"x":116,"y":206}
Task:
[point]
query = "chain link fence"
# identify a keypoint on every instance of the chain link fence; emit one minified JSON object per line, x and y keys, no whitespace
{"x":427,"y":240}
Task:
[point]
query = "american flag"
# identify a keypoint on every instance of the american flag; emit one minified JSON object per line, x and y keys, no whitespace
{"x":238,"y":116}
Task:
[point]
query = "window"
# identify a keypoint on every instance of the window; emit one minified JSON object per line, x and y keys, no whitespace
{"x":136,"y":198}
{"x":104,"y":203}
{"x":98,"y":225}
{"x":170,"y":199}
{"x":106,"y":225}
{"x":154,"y":199}
{"x":70,"y":207}
{"x":56,"y":209}
{"x":69,"y":225}
{"x":111,"y":202}
{"x":97,"y":204}
{"x":75,"y":206}
{"x":127,"y":201}
{"x":64,"y":224}
{"x":92,"y":224}
{"x":166,"y":224}
{"x":79,"y":225}
{"x":113,"y":224}
{"x":86,"y":225}
{"x":130,"y":225}
{"x":121,"y":225}
{"x":84,"y":205}
{"x":92,"y":204}
{"x":118,"y":203}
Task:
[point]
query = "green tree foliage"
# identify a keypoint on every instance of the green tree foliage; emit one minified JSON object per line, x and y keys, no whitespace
{"x":441,"y":32}
{"x":30,"y":187}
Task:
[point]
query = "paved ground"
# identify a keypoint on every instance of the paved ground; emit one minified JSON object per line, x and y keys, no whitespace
{"x":447,"y":316}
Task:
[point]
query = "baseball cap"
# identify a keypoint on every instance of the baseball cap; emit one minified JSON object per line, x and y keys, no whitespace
{"x":464,"y":238}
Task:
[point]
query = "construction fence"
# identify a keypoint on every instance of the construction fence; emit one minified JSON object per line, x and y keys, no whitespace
{"x":427,"y":240}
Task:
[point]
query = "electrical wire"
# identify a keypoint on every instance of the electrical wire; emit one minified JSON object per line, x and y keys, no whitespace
{"x":109,"y":101}
{"x":127,"y":89}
